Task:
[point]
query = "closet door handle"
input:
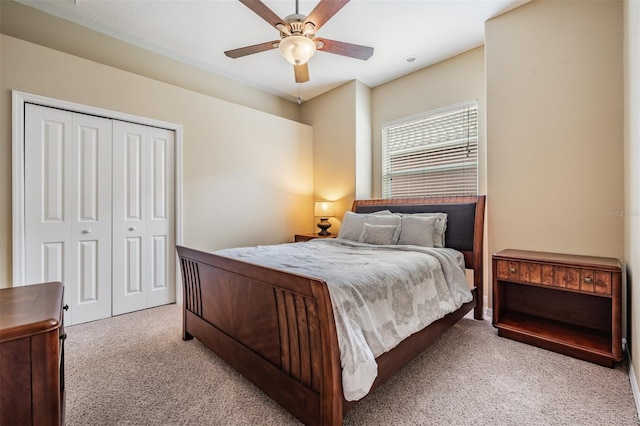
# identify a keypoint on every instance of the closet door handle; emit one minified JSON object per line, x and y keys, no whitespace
{"x":133,"y":228}
{"x":86,"y":231}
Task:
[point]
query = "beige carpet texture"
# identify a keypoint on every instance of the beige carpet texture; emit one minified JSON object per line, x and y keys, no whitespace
{"x":135,"y":369}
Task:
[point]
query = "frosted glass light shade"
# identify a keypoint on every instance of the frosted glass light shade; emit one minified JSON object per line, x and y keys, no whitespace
{"x":297,"y":49}
{"x":324,"y":209}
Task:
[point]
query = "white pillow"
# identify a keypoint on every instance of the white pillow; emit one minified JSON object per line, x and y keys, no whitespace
{"x":378,"y":234}
{"x":418,"y":230}
{"x":439,"y":227}
{"x":353,"y":224}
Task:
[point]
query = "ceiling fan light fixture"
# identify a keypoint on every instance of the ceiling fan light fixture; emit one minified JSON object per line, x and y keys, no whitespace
{"x":297,"y":49}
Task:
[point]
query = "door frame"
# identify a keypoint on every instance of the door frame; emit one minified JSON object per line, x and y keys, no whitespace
{"x":19,"y":99}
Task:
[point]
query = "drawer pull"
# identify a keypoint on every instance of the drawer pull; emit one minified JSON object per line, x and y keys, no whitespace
{"x":512,"y":270}
{"x":587,"y":280}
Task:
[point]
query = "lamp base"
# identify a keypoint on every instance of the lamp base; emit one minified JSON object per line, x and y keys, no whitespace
{"x":324,"y":224}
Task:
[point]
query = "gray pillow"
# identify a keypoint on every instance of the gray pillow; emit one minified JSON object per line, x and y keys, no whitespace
{"x":439,"y":227}
{"x":418,"y":230}
{"x":353,"y":224}
{"x":378,"y":234}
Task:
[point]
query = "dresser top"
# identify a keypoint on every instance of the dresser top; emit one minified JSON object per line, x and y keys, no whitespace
{"x":560,"y":258}
{"x":29,"y":310}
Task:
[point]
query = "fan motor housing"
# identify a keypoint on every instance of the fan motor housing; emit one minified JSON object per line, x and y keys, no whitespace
{"x":297,"y":26}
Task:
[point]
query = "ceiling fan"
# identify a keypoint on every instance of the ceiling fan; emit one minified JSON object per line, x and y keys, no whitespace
{"x":298,"y":41}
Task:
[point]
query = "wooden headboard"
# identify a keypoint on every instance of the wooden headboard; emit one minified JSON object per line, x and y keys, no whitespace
{"x":465,"y":223}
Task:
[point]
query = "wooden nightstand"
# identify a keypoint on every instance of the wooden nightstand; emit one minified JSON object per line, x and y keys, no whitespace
{"x":564,"y":303}
{"x":306,"y":237}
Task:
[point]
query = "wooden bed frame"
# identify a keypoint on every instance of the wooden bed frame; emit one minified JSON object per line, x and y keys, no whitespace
{"x":277,"y":328}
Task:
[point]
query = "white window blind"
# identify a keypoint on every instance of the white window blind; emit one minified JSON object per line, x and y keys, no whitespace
{"x":431,"y":154}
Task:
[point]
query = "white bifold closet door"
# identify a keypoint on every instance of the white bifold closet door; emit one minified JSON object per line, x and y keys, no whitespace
{"x":143,"y":243}
{"x":99,"y":211}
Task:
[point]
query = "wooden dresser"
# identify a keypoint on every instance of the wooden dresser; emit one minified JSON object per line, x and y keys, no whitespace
{"x":565,"y":303}
{"x":32,"y":355}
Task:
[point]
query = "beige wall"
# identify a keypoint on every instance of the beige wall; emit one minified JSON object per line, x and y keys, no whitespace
{"x":32,"y":25}
{"x":247,"y":175}
{"x":554,"y":128}
{"x":455,"y":80}
{"x":363,"y":145}
{"x":341,"y":146}
{"x":632,"y":178}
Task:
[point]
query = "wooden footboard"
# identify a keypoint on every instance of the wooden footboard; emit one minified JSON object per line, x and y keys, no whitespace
{"x":275,"y":328}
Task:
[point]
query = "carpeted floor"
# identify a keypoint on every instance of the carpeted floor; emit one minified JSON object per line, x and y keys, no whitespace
{"x":135,"y":369}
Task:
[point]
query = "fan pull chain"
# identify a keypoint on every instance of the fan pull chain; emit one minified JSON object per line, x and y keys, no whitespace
{"x":299,"y":94}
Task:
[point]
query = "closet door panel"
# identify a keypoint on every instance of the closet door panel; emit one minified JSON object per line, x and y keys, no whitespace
{"x":51,"y":266}
{"x":48,"y":134}
{"x":143,"y":222}
{"x":68,"y":207}
{"x":160,"y":224}
{"x":130,"y":255}
{"x":91,"y":228}
{"x":133,"y":266}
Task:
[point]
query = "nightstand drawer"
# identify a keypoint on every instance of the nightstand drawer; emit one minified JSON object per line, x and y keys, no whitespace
{"x":602,"y":282}
{"x":525,"y":272}
{"x":507,"y":270}
{"x":555,"y":276}
{"x":581,"y":279}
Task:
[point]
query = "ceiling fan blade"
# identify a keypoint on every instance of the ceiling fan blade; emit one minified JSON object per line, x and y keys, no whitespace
{"x":345,"y":49}
{"x":301,"y":72}
{"x":323,"y":11}
{"x":263,"y":11}
{"x":250,"y":50}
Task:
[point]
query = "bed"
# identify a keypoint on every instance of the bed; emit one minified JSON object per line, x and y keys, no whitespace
{"x":278,"y":329}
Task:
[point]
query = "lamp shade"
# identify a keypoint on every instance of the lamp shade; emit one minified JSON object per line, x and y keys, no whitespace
{"x":324,"y":209}
{"x":297,"y":49}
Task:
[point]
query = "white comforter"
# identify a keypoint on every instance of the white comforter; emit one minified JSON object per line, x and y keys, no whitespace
{"x":380,"y":294}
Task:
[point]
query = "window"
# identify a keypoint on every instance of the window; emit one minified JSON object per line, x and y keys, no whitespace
{"x":431,"y":154}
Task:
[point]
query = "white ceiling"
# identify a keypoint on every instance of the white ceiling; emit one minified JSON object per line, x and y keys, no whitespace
{"x":197,"y":32}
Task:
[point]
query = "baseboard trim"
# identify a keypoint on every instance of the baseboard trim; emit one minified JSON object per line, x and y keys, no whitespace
{"x":632,"y":377}
{"x":488,"y":312}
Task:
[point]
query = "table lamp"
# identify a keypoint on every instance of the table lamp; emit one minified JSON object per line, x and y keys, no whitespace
{"x":324,"y":210}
